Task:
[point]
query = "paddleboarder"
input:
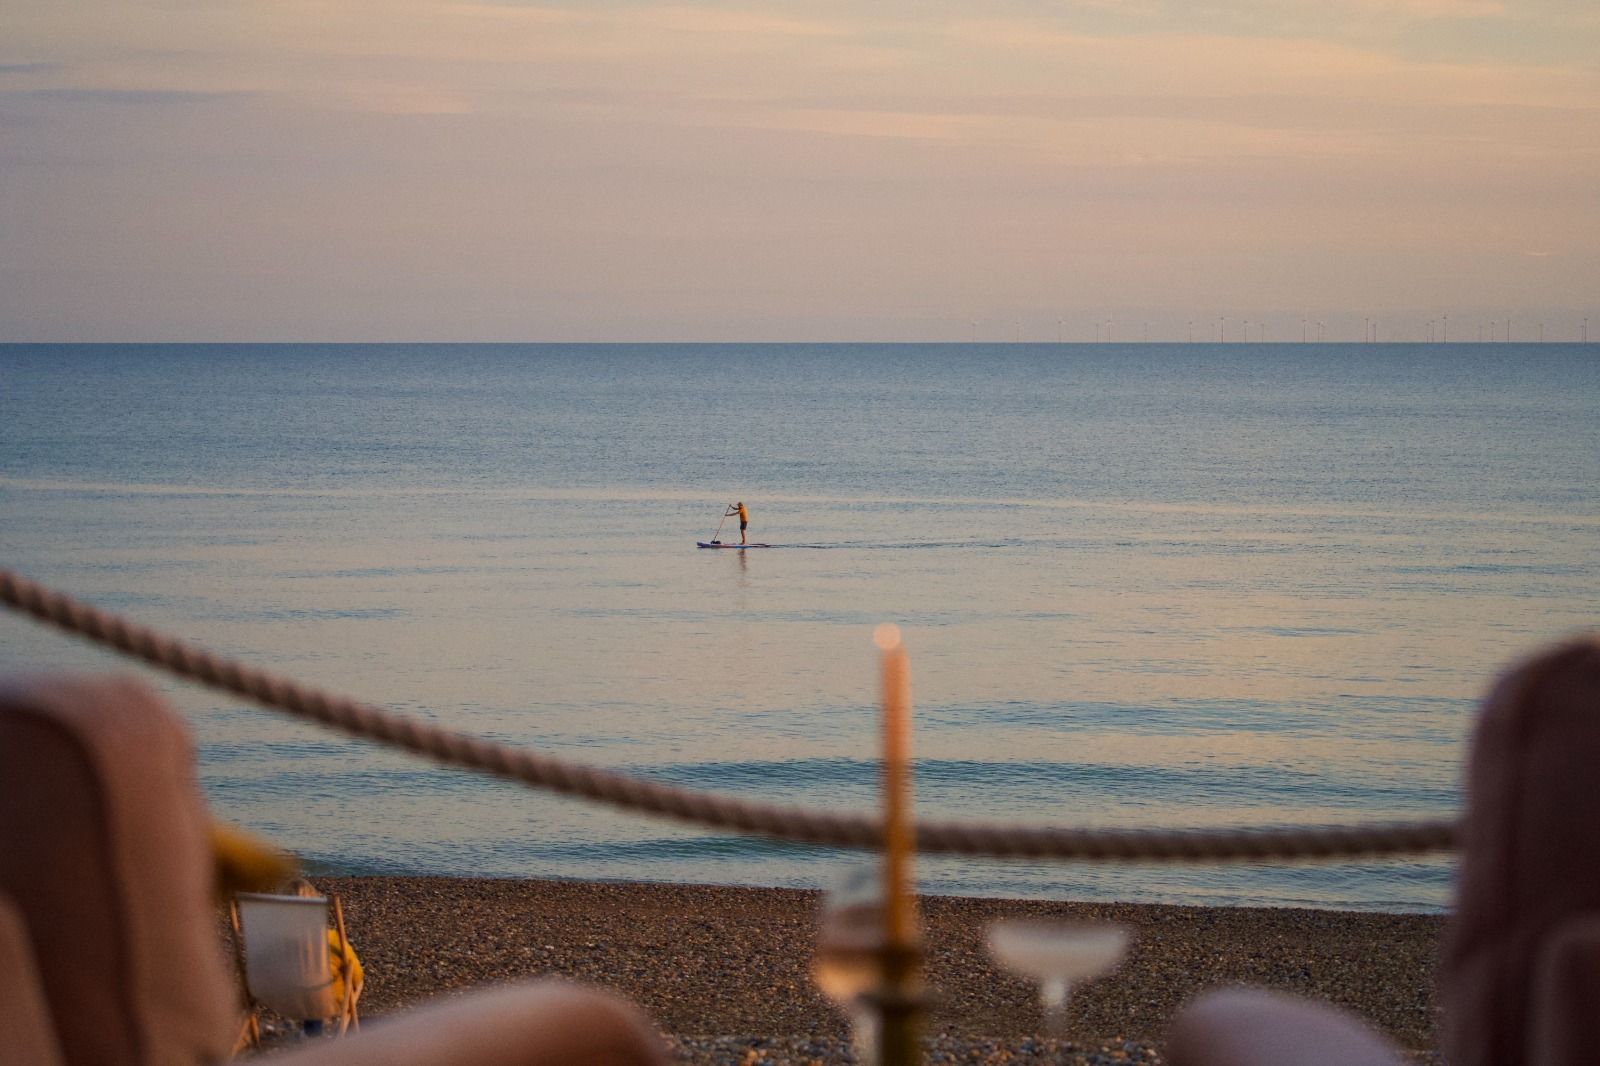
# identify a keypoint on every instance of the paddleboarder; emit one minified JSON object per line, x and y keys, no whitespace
{"x":744,"y":518}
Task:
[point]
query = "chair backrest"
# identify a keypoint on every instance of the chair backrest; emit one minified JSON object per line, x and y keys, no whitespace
{"x":286,"y":963}
{"x":27,"y":1037}
{"x":1521,"y":960}
{"x":104,"y":858}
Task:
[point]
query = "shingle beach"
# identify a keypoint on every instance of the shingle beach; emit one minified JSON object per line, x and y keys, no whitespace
{"x":724,"y":972}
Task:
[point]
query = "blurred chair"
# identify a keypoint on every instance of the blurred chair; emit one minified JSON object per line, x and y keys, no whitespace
{"x":1253,"y":1027}
{"x":291,"y":963}
{"x":1519,"y":979}
{"x":104,"y":854}
{"x":109,"y":948}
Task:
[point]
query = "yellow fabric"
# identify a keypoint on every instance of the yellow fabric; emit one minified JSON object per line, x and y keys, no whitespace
{"x":246,"y":863}
{"x":340,"y":952}
{"x":744,"y":516}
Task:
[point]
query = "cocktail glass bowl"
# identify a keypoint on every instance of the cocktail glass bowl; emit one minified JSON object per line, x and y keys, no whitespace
{"x":1057,"y":954}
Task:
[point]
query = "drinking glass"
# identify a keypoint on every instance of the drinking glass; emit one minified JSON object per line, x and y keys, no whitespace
{"x":848,"y":964}
{"x":1057,"y":954}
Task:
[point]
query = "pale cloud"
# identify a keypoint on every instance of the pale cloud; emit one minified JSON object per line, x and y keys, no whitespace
{"x":1361,"y":12}
{"x":1213,"y":65}
{"x":392,"y":98}
{"x":1434,"y":9}
{"x":858,"y":122}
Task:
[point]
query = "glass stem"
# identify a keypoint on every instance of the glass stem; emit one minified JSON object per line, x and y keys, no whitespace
{"x":1053,"y":993}
{"x":864,"y":1033}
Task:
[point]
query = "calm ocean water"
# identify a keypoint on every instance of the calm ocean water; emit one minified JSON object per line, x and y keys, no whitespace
{"x":1141,"y":584}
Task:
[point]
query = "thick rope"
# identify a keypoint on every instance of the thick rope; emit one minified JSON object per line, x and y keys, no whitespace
{"x":707,"y":809}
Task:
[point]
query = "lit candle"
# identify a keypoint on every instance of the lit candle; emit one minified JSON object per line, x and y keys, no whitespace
{"x":899,"y":845}
{"x":899,"y":1003}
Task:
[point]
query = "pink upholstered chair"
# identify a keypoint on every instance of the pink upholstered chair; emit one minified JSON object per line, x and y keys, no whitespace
{"x":109,"y":953}
{"x":1253,"y":1027}
{"x":1520,"y":973}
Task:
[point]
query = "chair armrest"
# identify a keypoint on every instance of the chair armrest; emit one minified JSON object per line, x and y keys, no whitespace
{"x":27,"y":1034}
{"x":1250,"y":1027}
{"x":1564,"y":1024}
{"x":546,"y":1022}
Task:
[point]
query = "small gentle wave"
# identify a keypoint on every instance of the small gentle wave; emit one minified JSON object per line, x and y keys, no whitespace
{"x":945,"y":782}
{"x":273,"y":768}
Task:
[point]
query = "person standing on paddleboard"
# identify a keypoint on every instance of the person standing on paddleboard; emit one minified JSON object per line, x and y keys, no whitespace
{"x":744,"y":518}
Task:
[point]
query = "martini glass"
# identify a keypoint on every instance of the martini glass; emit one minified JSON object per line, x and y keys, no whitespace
{"x":1057,"y":955}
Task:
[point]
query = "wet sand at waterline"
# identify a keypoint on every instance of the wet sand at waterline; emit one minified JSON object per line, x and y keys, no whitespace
{"x":725,"y":972}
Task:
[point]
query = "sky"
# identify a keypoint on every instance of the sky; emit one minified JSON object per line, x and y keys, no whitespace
{"x":392,"y":170}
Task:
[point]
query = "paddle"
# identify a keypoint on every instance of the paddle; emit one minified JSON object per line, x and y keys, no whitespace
{"x":718,"y":533}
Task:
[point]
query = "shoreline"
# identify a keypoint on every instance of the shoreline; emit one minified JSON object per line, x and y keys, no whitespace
{"x":727,"y":969}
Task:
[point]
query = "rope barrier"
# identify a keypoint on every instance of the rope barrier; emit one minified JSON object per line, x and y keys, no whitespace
{"x":708,"y":809}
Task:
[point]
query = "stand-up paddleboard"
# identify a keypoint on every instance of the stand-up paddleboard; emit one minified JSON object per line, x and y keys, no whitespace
{"x":719,"y":544}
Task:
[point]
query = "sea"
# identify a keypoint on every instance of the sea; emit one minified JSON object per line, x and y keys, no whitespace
{"x":1141,"y":585}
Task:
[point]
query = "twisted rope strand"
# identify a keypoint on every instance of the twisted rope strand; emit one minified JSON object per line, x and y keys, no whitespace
{"x":631,"y":793}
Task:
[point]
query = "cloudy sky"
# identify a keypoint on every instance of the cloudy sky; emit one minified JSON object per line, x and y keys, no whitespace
{"x":928,"y":170}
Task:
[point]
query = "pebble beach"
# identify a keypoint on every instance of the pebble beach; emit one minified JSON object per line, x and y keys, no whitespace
{"x":724,"y":971}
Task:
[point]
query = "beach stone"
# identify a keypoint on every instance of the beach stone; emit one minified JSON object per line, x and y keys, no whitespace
{"x":725,"y":972}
